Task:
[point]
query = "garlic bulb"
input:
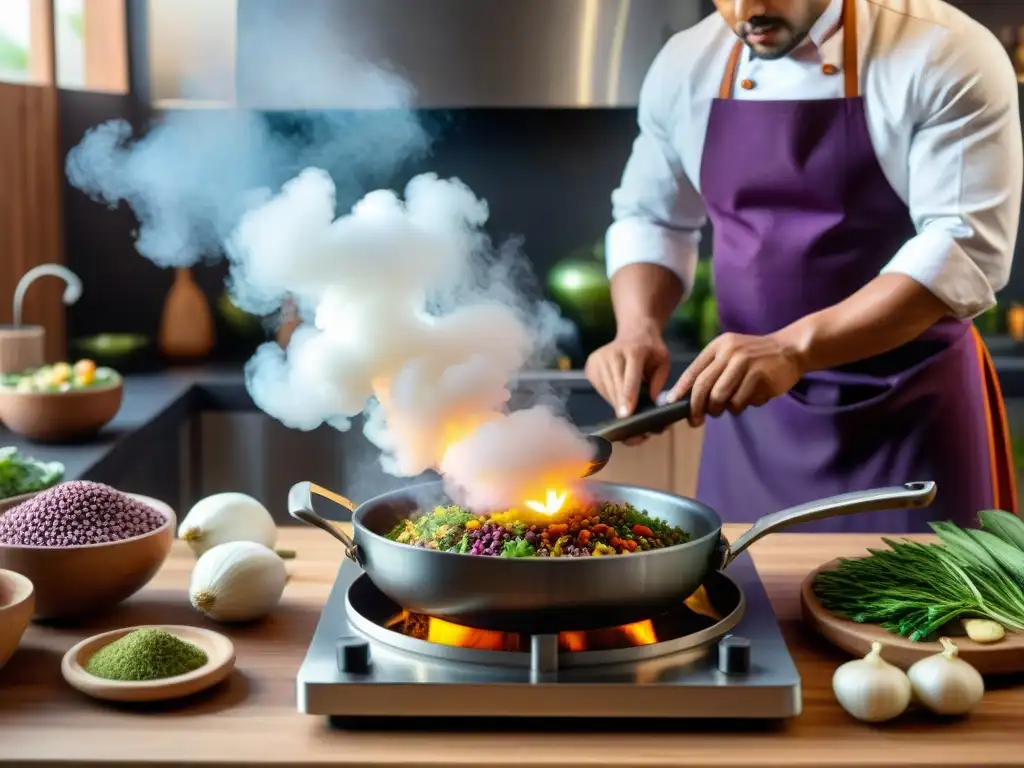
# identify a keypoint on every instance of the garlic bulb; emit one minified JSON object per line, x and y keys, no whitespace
{"x":871,"y":689}
{"x":225,"y":517}
{"x":237,"y":581}
{"x":945,"y":683}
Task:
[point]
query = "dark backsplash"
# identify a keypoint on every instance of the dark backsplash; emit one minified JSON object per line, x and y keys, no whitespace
{"x":546,"y":174}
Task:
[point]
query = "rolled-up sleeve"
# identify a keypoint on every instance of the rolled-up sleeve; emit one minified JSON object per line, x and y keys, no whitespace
{"x":657,"y":214}
{"x":966,"y":170}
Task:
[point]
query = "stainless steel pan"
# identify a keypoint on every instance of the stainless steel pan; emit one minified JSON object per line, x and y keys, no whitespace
{"x":543,"y":595}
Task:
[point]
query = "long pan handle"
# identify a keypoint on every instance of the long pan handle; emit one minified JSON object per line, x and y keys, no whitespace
{"x":908,"y":496}
{"x":300,"y":506}
{"x":649,"y":417}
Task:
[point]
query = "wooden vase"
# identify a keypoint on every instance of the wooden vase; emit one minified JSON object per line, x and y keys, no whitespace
{"x":290,"y":320}
{"x":186,"y":323}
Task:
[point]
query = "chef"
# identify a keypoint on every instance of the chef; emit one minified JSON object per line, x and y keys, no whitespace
{"x":860,"y":163}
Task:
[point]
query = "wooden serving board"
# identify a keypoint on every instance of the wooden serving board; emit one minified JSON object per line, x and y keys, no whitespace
{"x":1002,"y":658}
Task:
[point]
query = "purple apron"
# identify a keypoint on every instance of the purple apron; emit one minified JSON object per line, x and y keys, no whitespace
{"x":803,"y":217}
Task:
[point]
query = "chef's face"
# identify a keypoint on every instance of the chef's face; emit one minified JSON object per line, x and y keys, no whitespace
{"x":772,"y":28}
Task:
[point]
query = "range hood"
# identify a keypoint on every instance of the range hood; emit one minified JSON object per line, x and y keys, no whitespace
{"x":350,"y":54}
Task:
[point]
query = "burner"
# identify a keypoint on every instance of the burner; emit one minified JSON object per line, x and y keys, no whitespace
{"x":718,"y":655}
{"x":703,"y":618}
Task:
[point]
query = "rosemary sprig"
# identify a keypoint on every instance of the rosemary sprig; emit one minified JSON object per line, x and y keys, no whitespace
{"x":913,"y":589}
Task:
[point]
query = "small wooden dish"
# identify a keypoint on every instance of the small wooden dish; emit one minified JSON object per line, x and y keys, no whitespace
{"x":219,"y":649}
{"x":1002,"y":658}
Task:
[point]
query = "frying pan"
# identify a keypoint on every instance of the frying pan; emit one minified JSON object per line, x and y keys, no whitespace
{"x":648,"y":417}
{"x":543,"y":595}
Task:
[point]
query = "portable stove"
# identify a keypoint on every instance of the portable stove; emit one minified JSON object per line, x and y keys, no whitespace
{"x":720,"y":655}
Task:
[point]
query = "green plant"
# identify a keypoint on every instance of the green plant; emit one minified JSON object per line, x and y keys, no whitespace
{"x":76,"y":25}
{"x":13,"y":57}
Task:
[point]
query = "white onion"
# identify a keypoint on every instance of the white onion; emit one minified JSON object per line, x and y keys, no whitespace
{"x":237,"y":581}
{"x":226,"y":517}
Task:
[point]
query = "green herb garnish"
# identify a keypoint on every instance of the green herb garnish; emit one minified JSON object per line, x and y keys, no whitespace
{"x":914,"y":589}
{"x":517,"y":547}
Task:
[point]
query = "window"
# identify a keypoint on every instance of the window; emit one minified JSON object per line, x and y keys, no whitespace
{"x":16,"y":38}
{"x":69,"y":37}
{"x":85,"y":40}
{"x":91,"y":39}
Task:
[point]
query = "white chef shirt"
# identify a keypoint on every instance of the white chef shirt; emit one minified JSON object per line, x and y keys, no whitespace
{"x":942,"y":108}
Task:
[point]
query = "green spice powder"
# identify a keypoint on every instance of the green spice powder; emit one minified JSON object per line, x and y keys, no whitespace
{"x":146,"y":654}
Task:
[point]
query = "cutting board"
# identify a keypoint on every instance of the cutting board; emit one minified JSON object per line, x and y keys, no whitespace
{"x":1002,"y":658}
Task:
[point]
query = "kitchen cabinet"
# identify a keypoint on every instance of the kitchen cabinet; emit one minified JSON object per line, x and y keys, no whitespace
{"x":648,"y":464}
{"x":667,"y":462}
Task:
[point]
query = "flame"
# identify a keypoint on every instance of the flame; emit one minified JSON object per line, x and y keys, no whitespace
{"x":552,"y":503}
{"x":640,"y":633}
{"x":455,"y":635}
{"x":446,"y":633}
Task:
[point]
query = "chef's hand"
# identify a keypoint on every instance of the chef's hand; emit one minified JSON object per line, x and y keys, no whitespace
{"x":618,"y":369}
{"x":734,"y":372}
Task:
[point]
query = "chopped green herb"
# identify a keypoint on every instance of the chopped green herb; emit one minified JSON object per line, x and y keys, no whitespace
{"x":518,"y":547}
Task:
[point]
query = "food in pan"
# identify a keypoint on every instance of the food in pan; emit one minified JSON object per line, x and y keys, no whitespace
{"x":593,"y":529}
{"x":61,"y":377}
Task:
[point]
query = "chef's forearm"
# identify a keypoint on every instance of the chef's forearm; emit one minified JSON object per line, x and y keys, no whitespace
{"x":644,"y":296}
{"x":886,"y":313}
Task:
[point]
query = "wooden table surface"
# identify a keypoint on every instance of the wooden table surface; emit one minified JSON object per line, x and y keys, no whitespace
{"x":252,"y":718}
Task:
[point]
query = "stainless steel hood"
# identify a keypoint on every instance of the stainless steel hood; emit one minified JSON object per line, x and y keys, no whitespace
{"x":453,"y":53}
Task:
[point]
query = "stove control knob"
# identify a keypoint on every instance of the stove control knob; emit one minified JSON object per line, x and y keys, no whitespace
{"x":353,"y":655}
{"x":734,"y":655}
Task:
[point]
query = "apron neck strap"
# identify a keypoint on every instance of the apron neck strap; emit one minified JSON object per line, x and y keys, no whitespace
{"x":851,"y":78}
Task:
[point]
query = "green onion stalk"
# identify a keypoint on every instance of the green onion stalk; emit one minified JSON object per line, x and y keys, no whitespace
{"x":914,"y":589}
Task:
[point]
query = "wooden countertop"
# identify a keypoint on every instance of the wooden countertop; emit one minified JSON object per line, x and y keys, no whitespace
{"x":252,"y":718}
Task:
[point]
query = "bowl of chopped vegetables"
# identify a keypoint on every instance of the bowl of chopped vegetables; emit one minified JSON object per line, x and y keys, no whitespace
{"x":60,"y":402}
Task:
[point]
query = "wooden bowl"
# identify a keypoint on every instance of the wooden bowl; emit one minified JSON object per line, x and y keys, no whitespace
{"x":58,"y":417}
{"x":79,"y":581}
{"x":219,"y":650}
{"x":17,"y":601}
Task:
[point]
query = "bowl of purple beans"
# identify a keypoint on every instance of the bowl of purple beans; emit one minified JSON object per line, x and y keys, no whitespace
{"x":85,"y":546}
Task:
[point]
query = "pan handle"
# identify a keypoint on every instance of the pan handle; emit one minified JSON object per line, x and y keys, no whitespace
{"x":908,"y":496}
{"x":649,"y":417}
{"x":300,"y":506}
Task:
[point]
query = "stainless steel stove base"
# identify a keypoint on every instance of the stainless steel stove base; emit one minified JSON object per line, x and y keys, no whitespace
{"x":685,"y":685}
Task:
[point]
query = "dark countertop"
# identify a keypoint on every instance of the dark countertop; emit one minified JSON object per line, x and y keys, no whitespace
{"x":155,"y":404}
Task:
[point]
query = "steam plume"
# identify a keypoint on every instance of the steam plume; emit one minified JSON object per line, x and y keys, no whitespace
{"x":413,"y":318}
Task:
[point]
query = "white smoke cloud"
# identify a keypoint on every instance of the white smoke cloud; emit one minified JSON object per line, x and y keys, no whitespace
{"x":413,"y":318}
{"x":440,"y":379}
